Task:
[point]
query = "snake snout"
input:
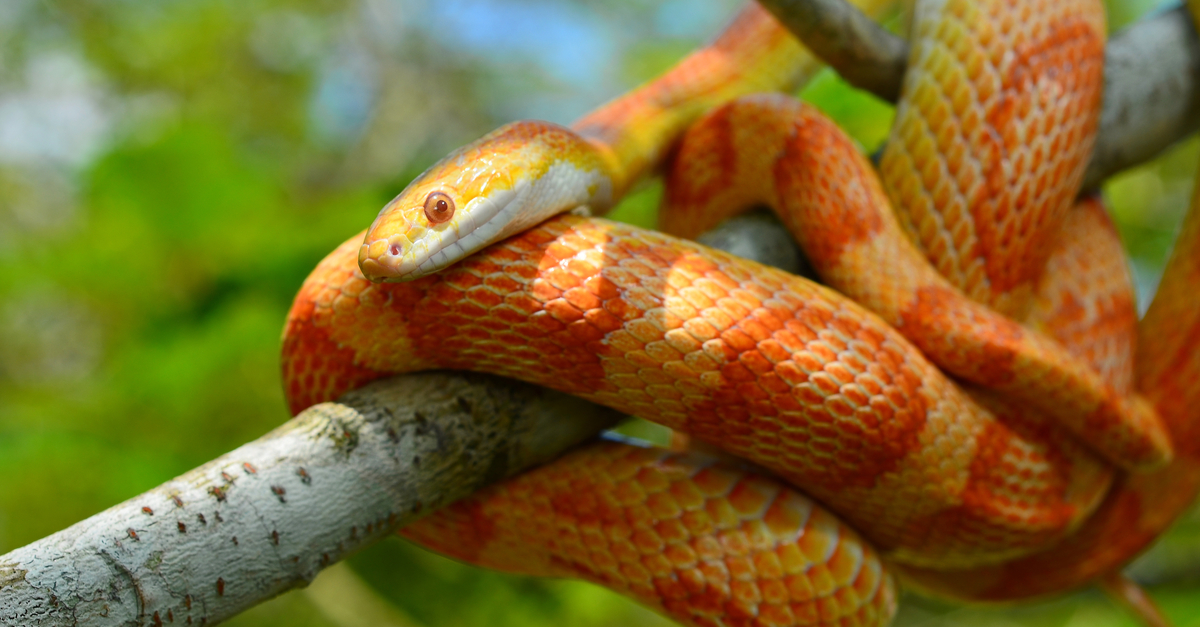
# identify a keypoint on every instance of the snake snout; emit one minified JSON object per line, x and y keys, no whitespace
{"x":383,"y":259}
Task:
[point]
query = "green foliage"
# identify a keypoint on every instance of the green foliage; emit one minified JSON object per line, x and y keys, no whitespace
{"x":144,"y":280}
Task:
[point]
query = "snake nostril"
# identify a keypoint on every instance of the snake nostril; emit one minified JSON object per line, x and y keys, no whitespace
{"x":394,"y":249}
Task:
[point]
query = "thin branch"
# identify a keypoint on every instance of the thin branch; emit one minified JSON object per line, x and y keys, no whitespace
{"x":1151,"y":75}
{"x":850,"y":42}
{"x":270,"y":515}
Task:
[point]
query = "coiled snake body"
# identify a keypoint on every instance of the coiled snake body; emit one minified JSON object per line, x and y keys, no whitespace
{"x":1014,"y":479}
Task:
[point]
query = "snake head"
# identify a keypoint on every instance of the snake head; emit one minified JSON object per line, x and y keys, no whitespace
{"x":500,"y":185}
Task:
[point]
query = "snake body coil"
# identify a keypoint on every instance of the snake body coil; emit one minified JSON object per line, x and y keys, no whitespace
{"x":969,"y":488}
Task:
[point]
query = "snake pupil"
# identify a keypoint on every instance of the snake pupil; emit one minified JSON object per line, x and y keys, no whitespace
{"x":439,"y":207}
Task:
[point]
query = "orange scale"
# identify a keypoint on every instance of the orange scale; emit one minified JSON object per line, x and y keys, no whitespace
{"x":754,"y":361}
{"x":559,"y":363}
{"x":769,"y":571}
{"x":701,"y":330}
{"x":582,"y":332}
{"x":774,"y":614}
{"x":750,"y":496}
{"x":851,"y":434}
{"x":723,"y":515}
{"x":686,"y":375}
{"x":559,"y":250}
{"x":614,"y":276}
{"x":846,"y":562}
{"x":647,"y":541}
{"x":820,"y":538}
{"x":735,"y":372}
{"x":643,"y":361}
{"x":800,"y":590}
{"x":779,"y":389}
{"x":626,"y":467}
{"x":753,"y":397}
{"x":751,"y":294}
{"x":602,"y":561}
{"x":669,"y":526}
{"x":788,"y":514}
{"x":706,"y":547}
{"x":824,"y":584}
{"x":681,"y":555}
{"x":669,"y":590}
{"x":643,"y":330}
{"x":667,"y":399}
{"x":881,"y":411}
{"x":475,"y":333}
{"x":662,"y":352}
{"x":733,"y":310}
{"x":839,"y":406}
{"x":716,"y":575}
{"x":808,"y":396}
{"x":623,"y":341}
{"x":801,"y":330}
{"x":707,"y":608}
{"x":824,"y":383}
{"x":745,"y":594}
{"x":678,"y":280}
{"x":623,"y":552}
{"x":580,"y":503}
{"x":581,"y":268}
{"x":700,"y":525}
{"x":689,"y":495}
{"x":563,"y":311}
{"x":791,"y":373}
{"x":589,"y":534}
{"x":719,"y":351}
{"x":856,"y":394}
{"x":635,"y":269}
{"x":682,"y":341}
{"x":522,"y":304}
{"x":870,"y":578}
{"x":696,"y":297}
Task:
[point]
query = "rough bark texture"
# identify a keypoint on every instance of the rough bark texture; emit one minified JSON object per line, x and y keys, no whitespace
{"x":1151,"y":93}
{"x":270,"y":515}
{"x":854,"y":45}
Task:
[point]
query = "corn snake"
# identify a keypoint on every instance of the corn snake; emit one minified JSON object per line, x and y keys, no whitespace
{"x":566,"y":284}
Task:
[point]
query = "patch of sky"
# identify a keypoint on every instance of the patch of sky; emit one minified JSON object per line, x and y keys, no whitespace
{"x":1146,"y":277}
{"x":563,"y":39}
{"x":688,"y":19}
{"x":59,"y":113}
{"x":13,"y":12}
{"x":345,"y":92}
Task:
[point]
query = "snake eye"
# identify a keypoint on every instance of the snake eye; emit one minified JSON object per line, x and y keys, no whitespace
{"x":439,"y":207}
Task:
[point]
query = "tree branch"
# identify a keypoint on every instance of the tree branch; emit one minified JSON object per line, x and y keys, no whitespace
{"x":268,"y":516}
{"x":1151,"y":75}
{"x":847,"y":40}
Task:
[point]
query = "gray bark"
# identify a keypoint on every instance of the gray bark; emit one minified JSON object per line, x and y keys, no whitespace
{"x":270,"y":515}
